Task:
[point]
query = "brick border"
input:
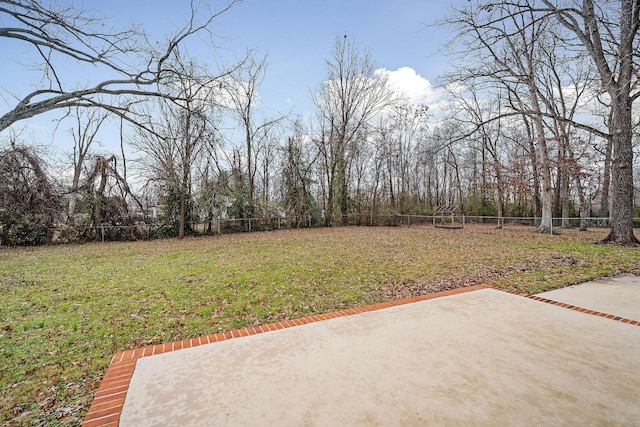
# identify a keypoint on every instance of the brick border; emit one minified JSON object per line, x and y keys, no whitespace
{"x":572,"y":307}
{"x":108,"y":402}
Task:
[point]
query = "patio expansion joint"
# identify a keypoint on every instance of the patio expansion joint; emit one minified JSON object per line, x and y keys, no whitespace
{"x":108,"y":402}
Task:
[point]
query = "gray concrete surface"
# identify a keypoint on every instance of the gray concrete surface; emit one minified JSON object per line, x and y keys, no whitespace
{"x":618,"y":295}
{"x":479,"y":358}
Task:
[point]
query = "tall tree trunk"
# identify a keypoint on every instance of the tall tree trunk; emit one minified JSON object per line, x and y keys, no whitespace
{"x":185,"y":176}
{"x":537,"y":203}
{"x":622,"y":174}
{"x":546,"y":225}
{"x":97,"y":210}
{"x":328,"y":215}
{"x":557,"y":194}
{"x":563,"y":170}
{"x":75,"y":185}
{"x":606,"y":180}
{"x":533,"y":159}
{"x":250,"y":184}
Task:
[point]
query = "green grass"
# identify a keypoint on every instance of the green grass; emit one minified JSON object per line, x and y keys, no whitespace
{"x":65,"y":310}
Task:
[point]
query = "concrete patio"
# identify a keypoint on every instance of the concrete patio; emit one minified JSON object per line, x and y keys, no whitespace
{"x":476,"y":356}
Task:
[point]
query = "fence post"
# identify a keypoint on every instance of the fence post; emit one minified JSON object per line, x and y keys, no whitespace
{"x":102,"y":228}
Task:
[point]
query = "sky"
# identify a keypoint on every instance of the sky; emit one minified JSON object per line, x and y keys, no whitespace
{"x":296,"y":35}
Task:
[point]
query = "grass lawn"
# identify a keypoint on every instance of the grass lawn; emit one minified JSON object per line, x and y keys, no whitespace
{"x":65,"y":310}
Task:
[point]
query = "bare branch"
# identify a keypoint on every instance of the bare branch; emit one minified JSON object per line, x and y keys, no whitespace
{"x":75,"y":34}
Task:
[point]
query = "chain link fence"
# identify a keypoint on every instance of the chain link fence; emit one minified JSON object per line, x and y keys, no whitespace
{"x":144,"y":230}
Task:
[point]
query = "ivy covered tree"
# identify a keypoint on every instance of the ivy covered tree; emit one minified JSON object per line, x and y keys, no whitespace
{"x":28,"y":201}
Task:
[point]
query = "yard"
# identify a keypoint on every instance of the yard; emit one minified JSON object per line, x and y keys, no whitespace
{"x":65,"y":310}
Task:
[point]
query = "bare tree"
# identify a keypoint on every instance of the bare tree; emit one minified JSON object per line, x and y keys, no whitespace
{"x":62,"y":32}
{"x":610,"y":34}
{"x":297,"y":165}
{"x":241,"y":89}
{"x":478,"y":113}
{"x":350,"y":96}
{"x":83,"y":134}
{"x":505,"y":42}
{"x":173,"y":145}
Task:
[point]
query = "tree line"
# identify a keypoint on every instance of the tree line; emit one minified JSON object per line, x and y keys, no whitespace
{"x":540,"y":123}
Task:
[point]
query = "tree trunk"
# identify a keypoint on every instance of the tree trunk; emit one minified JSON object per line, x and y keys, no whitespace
{"x":73,"y":196}
{"x":250,"y":184}
{"x":606,"y":180}
{"x":622,"y":174}
{"x":546,"y":225}
{"x":185,"y":174}
{"x":97,"y":210}
{"x":328,"y":215}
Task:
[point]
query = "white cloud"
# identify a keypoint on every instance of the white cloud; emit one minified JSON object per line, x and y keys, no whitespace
{"x":415,"y":88}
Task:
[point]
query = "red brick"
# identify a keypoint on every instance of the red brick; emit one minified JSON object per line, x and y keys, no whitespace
{"x":115,"y":383}
{"x":110,"y":398}
{"x":111,"y":391}
{"x":115,"y":403}
{"x":110,"y":424}
{"x":115,"y":372}
{"x":114,"y":418}
{"x":127,"y":355}
{"x":95,"y":414}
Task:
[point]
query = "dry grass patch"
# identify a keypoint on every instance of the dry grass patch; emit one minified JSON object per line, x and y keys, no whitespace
{"x":64,"y":310}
